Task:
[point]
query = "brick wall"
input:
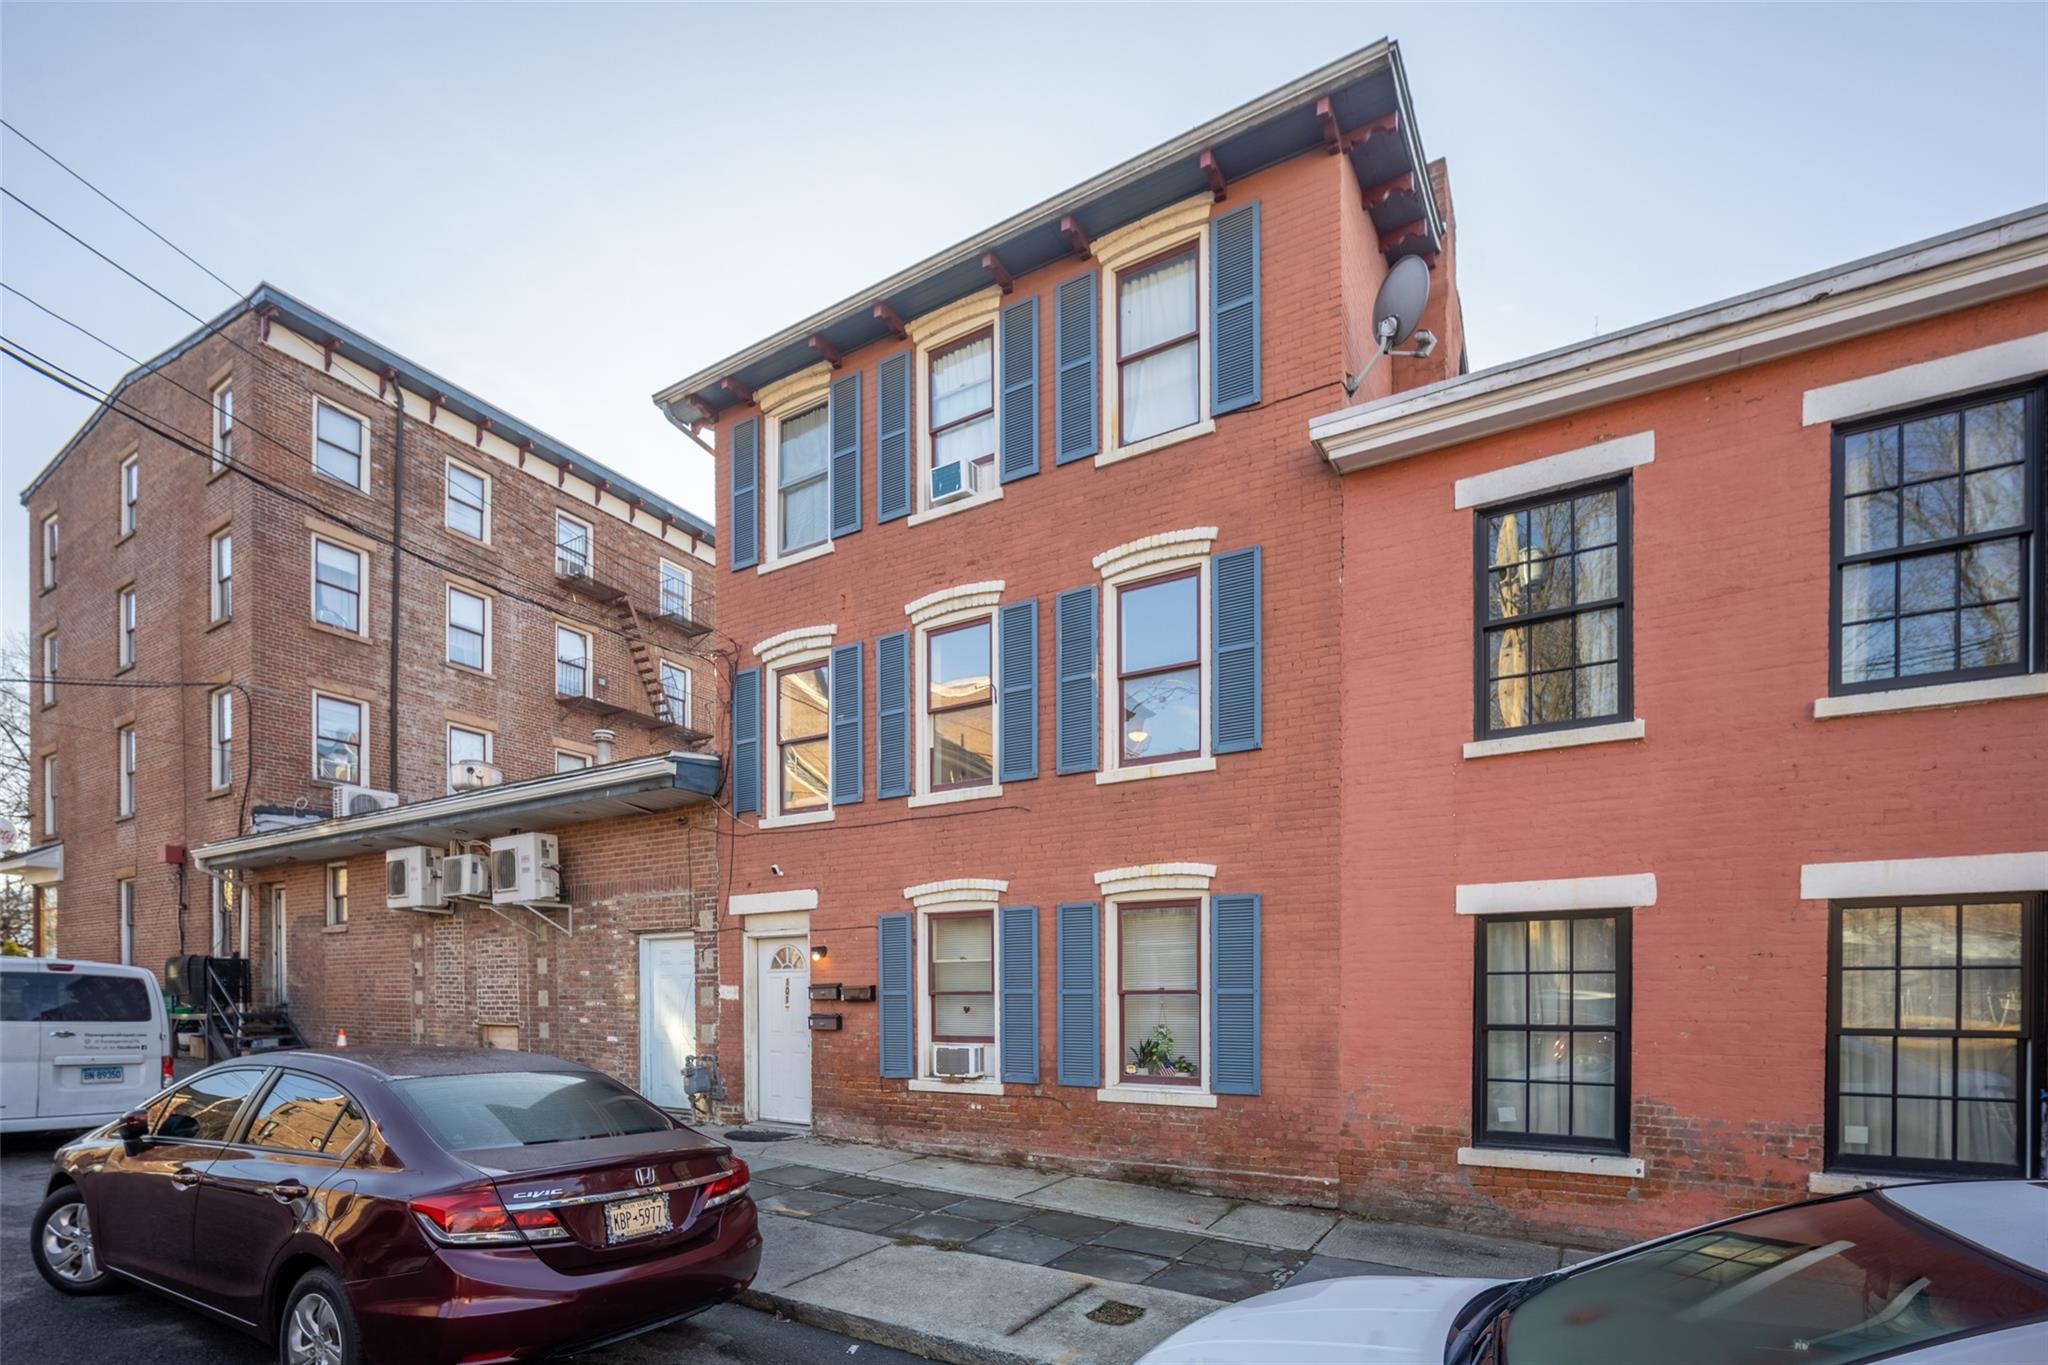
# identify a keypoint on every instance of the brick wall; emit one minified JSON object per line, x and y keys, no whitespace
{"x":1733,"y":788}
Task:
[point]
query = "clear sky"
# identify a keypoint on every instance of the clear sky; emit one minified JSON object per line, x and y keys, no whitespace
{"x":565,"y":208}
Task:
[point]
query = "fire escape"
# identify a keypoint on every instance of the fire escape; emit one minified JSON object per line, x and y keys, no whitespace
{"x":679,"y":614}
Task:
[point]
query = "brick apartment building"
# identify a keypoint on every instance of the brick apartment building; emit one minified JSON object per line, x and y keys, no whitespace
{"x":255,"y":585}
{"x":1695,"y":731}
{"x":1035,"y":583}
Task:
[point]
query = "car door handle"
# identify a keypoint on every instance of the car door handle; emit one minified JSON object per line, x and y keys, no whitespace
{"x":285,"y":1191}
{"x":184,"y":1177}
{"x":63,"y":1033}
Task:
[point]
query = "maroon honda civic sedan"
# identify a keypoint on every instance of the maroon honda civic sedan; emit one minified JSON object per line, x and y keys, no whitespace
{"x":460,"y":1205}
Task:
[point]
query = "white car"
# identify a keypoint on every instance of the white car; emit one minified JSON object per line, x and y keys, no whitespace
{"x":81,"y":1043}
{"x":1934,"y":1274}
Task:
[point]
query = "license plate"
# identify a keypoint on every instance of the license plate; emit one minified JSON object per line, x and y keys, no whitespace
{"x":101,"y":1075}
{"x":631,"y":1218}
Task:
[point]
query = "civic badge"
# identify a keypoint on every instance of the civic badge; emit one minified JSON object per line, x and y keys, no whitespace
{"x":643,"y":1175}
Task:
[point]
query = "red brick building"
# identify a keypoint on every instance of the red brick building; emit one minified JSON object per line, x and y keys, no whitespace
{"x":1035,"y":585}
{"x":255,"y":587}
{"x":1695,"y":718}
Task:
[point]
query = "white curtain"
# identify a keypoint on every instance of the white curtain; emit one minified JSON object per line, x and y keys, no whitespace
{"x":1154,"y":306}
{"x":963,"y":383}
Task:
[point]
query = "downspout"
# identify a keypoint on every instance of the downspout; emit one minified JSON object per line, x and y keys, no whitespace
{"x":397,"y":568}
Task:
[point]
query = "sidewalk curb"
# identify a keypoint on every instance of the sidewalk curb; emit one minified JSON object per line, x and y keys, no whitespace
{"x":879,"y":1333}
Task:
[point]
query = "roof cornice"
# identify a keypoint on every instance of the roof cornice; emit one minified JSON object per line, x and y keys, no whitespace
{"x":1940,"y":275}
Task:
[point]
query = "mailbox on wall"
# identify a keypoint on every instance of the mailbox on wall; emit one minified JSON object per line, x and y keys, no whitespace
{"x":826,"y":1023}
{"x":826,"y":990}
{"x":857,"y":993}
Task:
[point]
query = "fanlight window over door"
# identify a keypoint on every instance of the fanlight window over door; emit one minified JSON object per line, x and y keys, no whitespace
{"x":788,"y":958}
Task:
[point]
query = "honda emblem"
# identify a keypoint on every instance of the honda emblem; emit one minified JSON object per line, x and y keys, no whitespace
{"x":643,"y":1175}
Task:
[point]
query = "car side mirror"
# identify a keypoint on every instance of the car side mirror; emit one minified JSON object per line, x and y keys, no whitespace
{"x":132,"y":1128}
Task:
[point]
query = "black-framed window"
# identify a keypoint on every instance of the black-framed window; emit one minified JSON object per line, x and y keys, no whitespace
{"x":1552,"y":596}
{"x":1937,"y":564}
{"x":1934,"y":1034}
{"x":1551,"y":1044}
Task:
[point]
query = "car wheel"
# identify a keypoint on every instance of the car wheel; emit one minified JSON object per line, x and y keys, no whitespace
{"x":318,"y":1327}
{"x":61,"y":1241}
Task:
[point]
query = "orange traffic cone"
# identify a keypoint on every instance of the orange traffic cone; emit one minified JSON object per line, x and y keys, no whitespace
{"x":341,"y":1037}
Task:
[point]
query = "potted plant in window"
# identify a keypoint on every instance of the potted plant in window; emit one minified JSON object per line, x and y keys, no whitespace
{"x":1154,"y":1055}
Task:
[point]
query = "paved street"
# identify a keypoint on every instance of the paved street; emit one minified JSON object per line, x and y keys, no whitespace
{"x":38,"y":1324}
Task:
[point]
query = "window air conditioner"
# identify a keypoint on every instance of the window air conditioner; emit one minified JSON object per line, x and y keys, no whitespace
{"x":466,"y":875}
{"x":960,"y":1061}
{"x":526,"y":867}
{"x":952,"y":482}
{"x":412,"y":879}
{"x":350,"y":799}
{"x":469,"y":774}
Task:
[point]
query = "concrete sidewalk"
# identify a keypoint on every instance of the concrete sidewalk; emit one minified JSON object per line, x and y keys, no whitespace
{"x":983,"y":1264}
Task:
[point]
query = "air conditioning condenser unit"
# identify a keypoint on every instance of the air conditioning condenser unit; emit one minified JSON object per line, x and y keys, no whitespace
{"x":351,"y":799}
{"x":466,"y":875}
{"x":526,"y":867}
{"x":412,"y":879}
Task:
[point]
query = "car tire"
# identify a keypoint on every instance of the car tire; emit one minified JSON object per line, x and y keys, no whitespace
{"x":61,"y":1241}
{"x":317,"y":1326}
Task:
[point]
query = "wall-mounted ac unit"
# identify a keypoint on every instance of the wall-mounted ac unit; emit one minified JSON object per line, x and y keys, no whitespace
{"x":959,"y":1061}
{"x":466,"y":875}
{"x":951,"y":482}
{"x":412,"y":879}
{"x":469,"y":775}
{"x":526,"y":867}
{"x":350,"y":799}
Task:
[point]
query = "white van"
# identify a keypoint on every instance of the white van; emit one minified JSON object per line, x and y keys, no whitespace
{"x":81,"y":1043}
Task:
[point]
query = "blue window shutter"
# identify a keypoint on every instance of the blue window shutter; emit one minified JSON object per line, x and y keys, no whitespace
{"x":1079,"y":948}
{"x":1236,"y":703}
{"x":1075,"y":746}
{"x":846,"y":737}
{"x":1017,"y":429}
{"x":745,"y":530}
{"x":1234,"y":994}
{"x":1017,"y":1015}
{"x":892,"y":438}
{"x":1017,"y":741}
{"x":895,"y":973}
{"x":892,"y":715}
{"x":1074,"y":390}
{"x":845,"y":423}
{"x":746,"y":740}
{"x":1234,"y":310}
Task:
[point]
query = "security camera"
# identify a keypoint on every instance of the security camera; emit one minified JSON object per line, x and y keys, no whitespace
{"x":776,"y":868}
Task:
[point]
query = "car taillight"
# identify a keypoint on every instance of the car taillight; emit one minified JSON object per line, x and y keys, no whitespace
{"x":167,"y":1070}
{"x":475,"y":1216}
{"x":728,"y":1186}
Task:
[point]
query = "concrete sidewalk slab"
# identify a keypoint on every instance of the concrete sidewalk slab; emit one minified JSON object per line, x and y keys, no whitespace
{"x":791,"y":1252}
{"x":1294,"y":1229}
{"x":1126,"y":1203}
{"x":970,"y":1177}
{"x":1068,"y":1335}
{"x":849,"y":1158}
{"x":1436,"y":1251}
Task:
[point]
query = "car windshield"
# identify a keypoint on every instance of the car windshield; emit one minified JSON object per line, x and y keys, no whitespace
{"x":525,"y":1108}
{"x":1821,"y":1284}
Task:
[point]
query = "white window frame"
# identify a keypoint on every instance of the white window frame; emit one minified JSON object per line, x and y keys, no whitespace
{"x":362,"y":627}
{"x":50,"y":538}
{"x":1127,"y":566}
{"x":670,"y":570}
{"x":49,"y":796}
{"x":581,"y":760}
{"x":1154,"y":884}
{"x":124,"y":798}
{"x":448,"y":500}
{"x":127,"y":620}
{"x":131,"y":493}
{"x":933,"y":332}
{"x":589,"y":565}
{"x":330,"y":901}
{"x":220,"y":738}
{"x":362,"y":480}
{"x":788,"y":398}
{"x":1171,"y":228}
{"x":808,"y":647}
{"x":124,"y":900}
{"x":955,"y":896}
{"x":448,"y":750}
{"x":589,"y":661}
{"x":448,"y":628}
{"x":362,"y":738}
{"x":224,"y":431}
{"x":666,"y":668}
{"x":939,"y":611}
{"x":49,"y":657}
{"x":220,"y":600}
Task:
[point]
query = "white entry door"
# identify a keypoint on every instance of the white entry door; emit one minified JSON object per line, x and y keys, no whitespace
{"x":782,"y":1008}
{"x":668,"y":1016}
{"x":279,"y":971}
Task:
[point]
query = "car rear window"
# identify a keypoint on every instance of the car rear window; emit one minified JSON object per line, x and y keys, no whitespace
{"x":526,"y":1108}
{"x":72,"y":998}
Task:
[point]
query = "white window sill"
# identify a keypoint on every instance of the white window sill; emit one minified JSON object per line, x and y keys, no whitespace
{"x":1168,"y":1096}
{"x":952,"y":797}
{"x":1205,"y":763}
{"x":1932,"y":697}
{"x":932,"y":1085}
{"x":947,"y":509}
{"x":796,"y":557}
{"x":809,"y":817}
{"x":1159,"y":442}
{"x":1848,"y":1182}
{"x":1530,"y":1159}
{"x":1556,"y":739}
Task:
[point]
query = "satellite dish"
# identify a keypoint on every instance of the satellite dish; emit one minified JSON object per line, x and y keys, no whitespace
{"x":1399,"y":304}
